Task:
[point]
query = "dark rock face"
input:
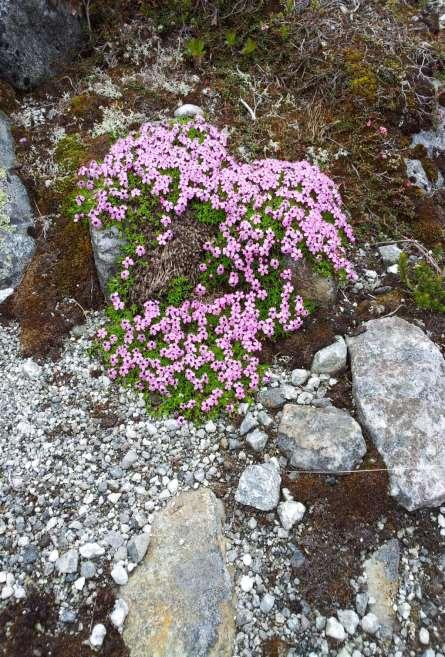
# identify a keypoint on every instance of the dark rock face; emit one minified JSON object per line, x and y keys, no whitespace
{"x":36,"y":37}
{"x":16,"y":216}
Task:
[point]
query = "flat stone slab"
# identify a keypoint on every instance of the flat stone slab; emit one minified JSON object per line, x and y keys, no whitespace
{"x":382,"y":572}
{"x":326,"y":439}
{"x":398,"y":378}
{"x":180,"y":598}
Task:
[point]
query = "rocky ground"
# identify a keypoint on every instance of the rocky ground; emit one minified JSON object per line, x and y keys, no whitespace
{"x":311,"y":522}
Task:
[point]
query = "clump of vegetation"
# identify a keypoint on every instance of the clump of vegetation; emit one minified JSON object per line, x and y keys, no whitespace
{"x":213,"y":243}
{"x":425,"y":279}
{"x":69,"y":153}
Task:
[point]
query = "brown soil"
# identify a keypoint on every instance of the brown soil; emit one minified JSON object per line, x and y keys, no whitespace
{"x":29,"y":628}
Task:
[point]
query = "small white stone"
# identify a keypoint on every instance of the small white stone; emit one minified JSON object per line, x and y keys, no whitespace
{"x":119,"y":574}
{"x":390,"y":254}
{"x":424,"y":636}
{"x":393,"y":269}
{"x":53,"y":556}
{"x":257,"y":440}
{"x":334,"y":629}
{"x":404,"y":610}
{"x":370,"y":623}
{"x":7,"y":592}
{"x":98,"y":635}
{"x":246,"y":583}
{"x":210,"y":427}
{"x":290,"y":512}
{"x":91,"y":550}
{"x":119,"y":613}
{"x":349,"y":619}
{"x":131,"y":433}
{"x":79,"y":583}
{"x":31,"y":369}
{"x":267,"y":603}
{"x":247,"y":559}
{"x":173,"y":486}
{"x":19,"y":592}
{"x":299,"y":377}
{"x":188,"y":110}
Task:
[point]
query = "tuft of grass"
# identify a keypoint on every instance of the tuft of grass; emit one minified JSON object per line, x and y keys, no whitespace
{"x":425,"y":282}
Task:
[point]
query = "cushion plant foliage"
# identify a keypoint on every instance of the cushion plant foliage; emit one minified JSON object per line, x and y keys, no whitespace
{"x":221,"y":239}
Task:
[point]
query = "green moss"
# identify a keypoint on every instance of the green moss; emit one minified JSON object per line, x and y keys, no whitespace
{"x":69,"y":153}
{"x":362,"y":79}
{"x":179,"y":290}
{"x":425,"y":283}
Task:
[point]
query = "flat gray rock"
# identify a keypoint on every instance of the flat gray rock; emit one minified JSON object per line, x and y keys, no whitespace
{"x":180,"y":597}
{"x":326,"y":439}
{"x":398,"y":377}
{"x":259,"y":486}
{"x":16,"y":216}
{"x":382,"y":572}
{"x":36,"y":36}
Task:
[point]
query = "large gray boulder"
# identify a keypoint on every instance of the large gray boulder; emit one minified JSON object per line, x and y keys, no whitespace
{"x":180,"y":597}
{"x":36,"y":36}
{"x":326,"y":439}
{"x":16,"y":216}
{"x":398,"y":378}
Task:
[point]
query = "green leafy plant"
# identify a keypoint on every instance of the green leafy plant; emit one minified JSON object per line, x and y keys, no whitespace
{"x":425,"y":281}
{"x":231,"y":38}
{"x":249,"y":47}
{"x":195,"y":48}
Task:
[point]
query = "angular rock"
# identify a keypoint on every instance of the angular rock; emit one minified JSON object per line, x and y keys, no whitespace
{"x":382,"y":571}
{"x":390,"y":253}
{"x":91,"y":550}
{"x":138,"y":546}
{"x":36,"y":37}
{"x":311,"y":284}
{"x":68,"y":562}
{"x":257,"y":440}
{"x":16,"y":217}
{"x":326,"y":439}
{"x":180,"y":597}
{"x":259,"y":486}
{"x":249,"y":423}
{"x":272,"y":398}
{"x":107,"y":246}
{"x":290,"y":512}
{"x":331,"y":359}
{"x":398,"y":378}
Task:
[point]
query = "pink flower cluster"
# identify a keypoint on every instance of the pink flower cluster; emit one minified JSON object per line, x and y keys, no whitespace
{"x":274,"y":212}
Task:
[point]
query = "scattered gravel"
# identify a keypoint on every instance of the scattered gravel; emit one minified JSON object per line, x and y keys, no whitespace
{"x":85,"y":470}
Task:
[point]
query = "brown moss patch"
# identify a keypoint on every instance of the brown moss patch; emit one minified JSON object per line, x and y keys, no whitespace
{"x":430,"y":220}
{"x":58,"y":285}
{"x":30,"y":627}
{"x":343,"y":512}
{"x":8,"y":102}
